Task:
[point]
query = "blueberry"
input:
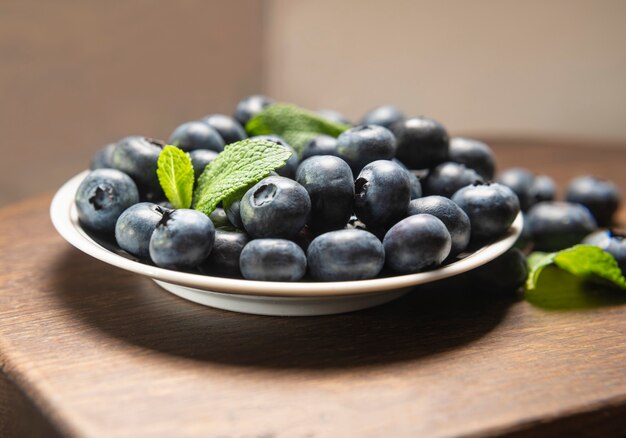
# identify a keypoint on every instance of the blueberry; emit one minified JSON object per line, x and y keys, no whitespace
{"x":334,"y":116}
{"x":520,"y":181}
{"x":103,"y":158}
{"x":251,"y":106}
{"x":227,"y":127}
{"x":272,"y":260}
{"x":233,"y":213}
{"x":196,"y":135}
{"x":422,"y":143}
{"x":558,"y":225}
{"x":474,"y":154}
{"x":601,"y":197}
{"x":330,"y":185}
{"x":291,"y":166}
{"x":416,"y":243}
{"x":452,"y":216}
{"x":386,"y":116}
{"x":103,"y":196}
{"x":506,"y":273}
{"x":224,"y":257}
{"x":448,"y":177}
{"x":416,"y":185}
{"x":382,"y":194}
{"x":320,"y":145}
{"x":182,"y":239}
{"x":491,"y":209}
{"x":345,"y":255}
{"x":543,"y":189}
{"x":220,"y":218}
{"x":363,"y":144}
{"x":613,"y":243}
{"x":200,"y":158}
{"x":135,"y":226}
{"x":138,"y":157}
{"x":275,"y":207}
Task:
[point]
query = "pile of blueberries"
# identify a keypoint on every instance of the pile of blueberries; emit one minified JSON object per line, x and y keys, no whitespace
{"x":391,"y":195}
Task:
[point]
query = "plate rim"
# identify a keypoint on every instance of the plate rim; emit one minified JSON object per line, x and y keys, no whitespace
{"x":65,"y":220}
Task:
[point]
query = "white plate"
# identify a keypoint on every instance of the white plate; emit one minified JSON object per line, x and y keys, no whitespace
{"x":267,"y":297}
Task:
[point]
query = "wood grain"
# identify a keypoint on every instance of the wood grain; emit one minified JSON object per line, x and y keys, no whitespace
{"x":102,"y":352}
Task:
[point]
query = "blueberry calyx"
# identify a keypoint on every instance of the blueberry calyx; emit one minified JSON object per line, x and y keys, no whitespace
{"x":102,"y":196}
{"x":264,"y":194}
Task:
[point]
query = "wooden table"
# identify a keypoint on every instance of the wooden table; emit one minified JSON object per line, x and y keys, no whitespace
{"x":88,"y":350}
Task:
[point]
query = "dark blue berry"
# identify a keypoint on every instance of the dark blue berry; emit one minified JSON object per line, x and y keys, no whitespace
{"x":224,"y":257}
{"x":251,"y":106}
{"x":275,"y":207}
{"x":320,"y":145}
{"x":200,"y":158}
{"x":345,"y":255}
{"x":448,"y":177}
{"x":291,"y":166}
{"x":416,"y":243}
{"x":474,"y":154}
{"x":386,"y":116}
{"x":103,"y":159}
{"x":600,"y":196}
{"x":196,"y":135}
{"x":422,"y":143}
{"x":102,"y":197}
{"x":330,"y":185}
{"x":182,"y":239}
{"x":138,"y":157}
{"x":272,"y":260}
{"x":363,"y":144}
{"x":227,"y":127}
{"x":135,"y":226}
{"x":558,"y":225}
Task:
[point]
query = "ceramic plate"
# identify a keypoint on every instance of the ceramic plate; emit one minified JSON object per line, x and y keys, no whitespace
{"x":266,"y":297}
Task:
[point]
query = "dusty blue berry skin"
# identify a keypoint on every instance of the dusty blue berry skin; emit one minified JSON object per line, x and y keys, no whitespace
{"x":200,"y":158}
{"x":382,"y":194}
{"x":103,"y":158}
{"x":543,"y":189}
{"x":506,"y":273}
{"x":224,"y":257}
{"x":196,"y":135}
{"x":600,"y":196}
{"x":614,"y":244}
{"x":233,"y":213}
{"x":416,"y":243}
{"x":275,"y":207}
{"x":416,"y":184}
{"x":473,"y":154}
{"x":421,"y":143}
{"x":182,"y":239}
{"x":135,"y":226}
{"x":138,"y":157}
{"x":250,"y":106}
{"x":272,"y":260}
{"x":448,"y":177}
{"x":102,"y":197}
{"x":227,"y":127}
{"x":363,"y":144}
{"x":291,"y":166}
{"x":334,"y":116}
{"x":345,"y":255}
{"x":330,"y":185}
{"x":452,"y":216}
{"x":219,"y":218}
{"x":520,"y":181}
{"x":491,"y":209}
{"x":320,"y":145}
{"x":557,"y":225}
{"x":386,"y":116}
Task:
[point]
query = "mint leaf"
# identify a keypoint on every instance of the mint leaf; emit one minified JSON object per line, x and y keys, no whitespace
{"x":175,"y":174}
{"x":588,"y":263}
{"x":238,"y":166}
{"x":296,"y":125}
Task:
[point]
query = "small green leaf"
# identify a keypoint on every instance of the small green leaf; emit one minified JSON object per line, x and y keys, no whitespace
{"x":175,"y":173}
{"x":588,"y":263}
{"x":238,"y":166}
{"x":296,"y":125}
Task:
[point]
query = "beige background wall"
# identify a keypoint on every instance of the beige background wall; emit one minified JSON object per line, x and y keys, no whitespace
{"x":489,"y":66}
{"x":75,"y":75}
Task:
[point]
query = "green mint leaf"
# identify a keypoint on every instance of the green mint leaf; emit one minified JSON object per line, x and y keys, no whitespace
{"x":586,"y":262}
{"x":238,"y":166}
{"x":175,"y":174}
{"x":296,"y":125}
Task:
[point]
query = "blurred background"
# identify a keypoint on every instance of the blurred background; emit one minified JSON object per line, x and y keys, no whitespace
{"x":75,"y":76}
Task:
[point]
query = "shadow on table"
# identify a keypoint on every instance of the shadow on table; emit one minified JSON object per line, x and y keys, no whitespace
{"x":430,"y":320}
